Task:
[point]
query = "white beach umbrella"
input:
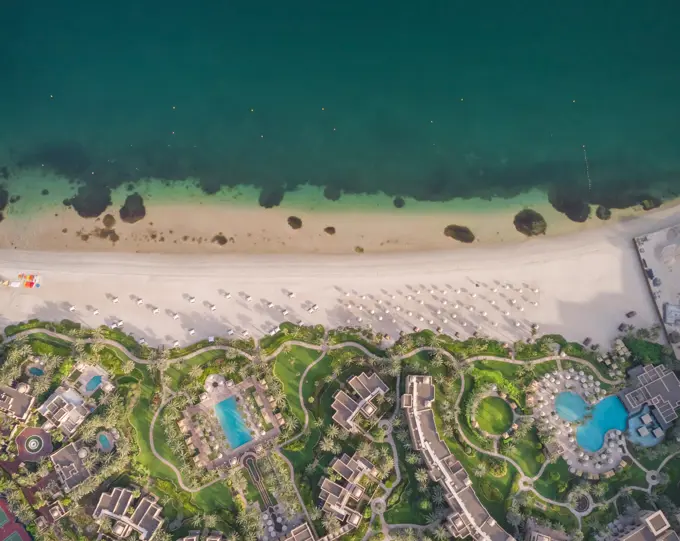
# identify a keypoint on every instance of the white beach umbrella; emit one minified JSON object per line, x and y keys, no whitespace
{"x":193,"y":299}
{"x":95,"y":312}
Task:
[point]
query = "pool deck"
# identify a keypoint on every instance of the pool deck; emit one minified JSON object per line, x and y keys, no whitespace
{"x":580,"y":461}
{"x":206,"y":407}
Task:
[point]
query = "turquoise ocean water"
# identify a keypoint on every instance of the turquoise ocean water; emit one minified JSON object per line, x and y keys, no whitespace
{"x":430,"y":100}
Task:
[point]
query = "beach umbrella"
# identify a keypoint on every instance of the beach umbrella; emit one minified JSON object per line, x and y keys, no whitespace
{"x":363,"y":297}
{"x":464,"y":324}
{"x":513,"y":301}
{"x":517,"y":323}
{"x":421,"y":301}
{"x":454,"y":316}
{"x":445,"y":320}
{"x":360,"y":319}
{"x":192,"y":331}
{"x":421,"y":318}
{"x":484,"y":313}
{"x":193,"y":299}
{"x":387,"y":310}
{"x":431,"y":291}
{"x":495,"y":290}
{"x":392,"y":296}
{"x":96,"y":312}
{"x":409,"y":313}
{"x":394,"y":320}
{"x":140,"y":301}
{"x":349,"y":320}
{"x":176,"y":343}
{"x":431,"y":322}
{"x":471,"y":308}
{"x":535,"y":290}
{"x":155,"y":311}
{"x":175,"y":316}
{"x":409,"y":297}
{"x":439,"y":329}
{"x":398,"y":308}
{"x":379,"y":318}
{"x":372,"y":311}
{"x":458,"y":291}
{"x":445,"y":301}
{"x":72,"y":308}
{"x":379,"y":301}
{"x":439,"y":312}
{"x":361,"y":308}
{"x":346,"y":293}
{"x":521,"y":308}
{"x":495,"y":323}
{"x":473,"y":295}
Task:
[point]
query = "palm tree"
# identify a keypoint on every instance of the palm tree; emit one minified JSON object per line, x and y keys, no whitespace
{"x":480,"y":469}
{"x":440,"y":533}
{"x":196,"y":521}
{"x":210,"y":521}
{"x":195,"y":373}
{"x":422,"y":478}
{"x":413,"y":459}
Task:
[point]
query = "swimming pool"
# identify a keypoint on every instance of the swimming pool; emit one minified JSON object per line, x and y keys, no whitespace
{"x":570,"y":406}
{"x":36,"y":371}
{"x":232,"y":423}
{"x":95,"y":381}
{"x":608,"y":414}
{"x":104,"y":442}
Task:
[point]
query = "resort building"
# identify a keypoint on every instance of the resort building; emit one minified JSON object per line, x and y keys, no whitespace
{"x":340,"y":501}
{"x":143,"y":518}
{"x":656,"y":387}
{"x":468,"y":517}
{"x":650,"y":526}
{"x":64,"y":409}
{"x":300,"y":533}
{"x":195,"y":535}
{"x":69,"y":465}
{"x":87,"y":379}
{"x":346,"y":408}
{"x":536,"y":532}
{"x":16,"y":403}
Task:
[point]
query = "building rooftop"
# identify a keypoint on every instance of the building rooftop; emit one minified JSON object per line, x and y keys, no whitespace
{"x":346,"y":407}
{"x":656,"y":386}
{"x":145,"y":517}
{"x":14,"y":403}
{"x":468,"y":516}
{"x":653,"y":526}
{"x":68,"y":463}
{"x":65,"y":409}
{"x":300,"y":533}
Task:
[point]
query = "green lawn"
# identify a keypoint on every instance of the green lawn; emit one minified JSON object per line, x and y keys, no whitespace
{"x":179,"y":372}
{"x":289,"y":367}
{"x":493,"y":415}
{"x":526,"y":453}
{"x":548,"y":484}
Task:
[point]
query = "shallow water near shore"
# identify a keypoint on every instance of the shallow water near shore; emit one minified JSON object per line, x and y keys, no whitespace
{"x":428,"y":103}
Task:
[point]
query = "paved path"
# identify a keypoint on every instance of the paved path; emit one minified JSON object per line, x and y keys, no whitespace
{"x":324,"y":348}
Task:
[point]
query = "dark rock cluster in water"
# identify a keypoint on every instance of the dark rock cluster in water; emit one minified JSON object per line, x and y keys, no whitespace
{"x":530,"y":223}
{"x":97,"y":175}
{"x":603,"y":213}
{"x":4,"y":200}
{"x":4,"y":173}
{"x":332,"y":193}
{"x":271,"y":198}
{"x":89,"y":201}
{"x":133,"y":210}
{"x":459,"y":233}
{"x":294,"y":222}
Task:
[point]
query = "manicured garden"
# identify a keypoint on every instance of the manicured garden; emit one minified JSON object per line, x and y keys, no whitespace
{"x":494,"y":415}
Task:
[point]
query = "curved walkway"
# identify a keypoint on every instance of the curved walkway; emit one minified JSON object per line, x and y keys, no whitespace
{"x":324,"y":348}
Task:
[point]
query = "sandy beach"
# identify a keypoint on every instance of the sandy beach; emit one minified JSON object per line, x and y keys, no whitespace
{"x":578,"y":285}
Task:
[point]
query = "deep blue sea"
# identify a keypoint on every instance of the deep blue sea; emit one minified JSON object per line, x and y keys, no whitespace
{"x":432,"y":100}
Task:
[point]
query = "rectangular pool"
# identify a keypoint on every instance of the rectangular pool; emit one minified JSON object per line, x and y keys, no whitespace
{"x":232,"y":423}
